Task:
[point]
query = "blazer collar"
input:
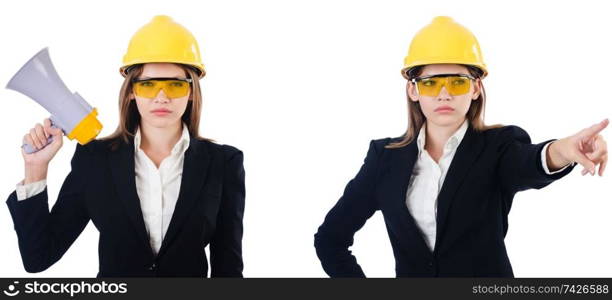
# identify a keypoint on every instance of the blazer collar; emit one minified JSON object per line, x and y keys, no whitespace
{"x":195,"y":168}
{"x":468,"y":151}
{"x":402,"y":164}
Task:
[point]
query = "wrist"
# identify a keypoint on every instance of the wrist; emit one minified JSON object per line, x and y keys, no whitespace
{"x":554,"y":156}
{"x":35,"y":173}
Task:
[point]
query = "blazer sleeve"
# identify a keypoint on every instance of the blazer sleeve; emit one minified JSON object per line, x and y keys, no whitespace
{"x":226,"y":243}
{"x":520,"y":165}
{"x":45,"y":236}
{"x":353,"y":209}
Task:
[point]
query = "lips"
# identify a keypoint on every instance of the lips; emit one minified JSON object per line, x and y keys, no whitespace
{"x":160,"y":110}
{"x":444,"y":108}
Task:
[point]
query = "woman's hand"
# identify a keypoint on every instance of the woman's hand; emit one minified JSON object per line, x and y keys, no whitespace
{"x":36,"y":163}
{"x":587,"y":147}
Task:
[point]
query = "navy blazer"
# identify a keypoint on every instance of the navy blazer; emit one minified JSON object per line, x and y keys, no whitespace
{"x":101,"y":188}
{"x":488,"y":168}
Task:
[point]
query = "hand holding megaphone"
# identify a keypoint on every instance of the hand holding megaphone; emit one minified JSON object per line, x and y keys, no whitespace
{"x":39,"y":80}
{"x":44,"y":141}
{"x":32,"y":141}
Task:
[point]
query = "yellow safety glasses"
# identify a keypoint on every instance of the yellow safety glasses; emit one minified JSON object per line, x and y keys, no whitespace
{"x":173,"y":87}
{"x":456,"y":84}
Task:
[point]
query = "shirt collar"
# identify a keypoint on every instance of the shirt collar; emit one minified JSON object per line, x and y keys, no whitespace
{"x":179,"y":147}
{"x":451,"y":144}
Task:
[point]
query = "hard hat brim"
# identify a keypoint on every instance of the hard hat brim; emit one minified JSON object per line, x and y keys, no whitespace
{"x":124,"y":70}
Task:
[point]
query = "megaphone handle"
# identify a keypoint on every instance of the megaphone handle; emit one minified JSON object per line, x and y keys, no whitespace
{"x":29,"y":149}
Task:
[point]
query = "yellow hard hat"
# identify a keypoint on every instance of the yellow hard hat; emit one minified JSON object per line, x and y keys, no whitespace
{"x":444,"y":41}
{"x":163,"y":40}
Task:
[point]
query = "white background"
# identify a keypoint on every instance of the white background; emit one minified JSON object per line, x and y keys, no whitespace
{"x":302,"y":87}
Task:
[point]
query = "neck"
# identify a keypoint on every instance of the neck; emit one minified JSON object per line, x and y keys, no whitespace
{"x":437,"y":135}
{"x":159,"y":139}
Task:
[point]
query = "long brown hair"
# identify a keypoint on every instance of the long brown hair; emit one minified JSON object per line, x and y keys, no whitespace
{"x":416,"y":118}
{"x":129,"y":117}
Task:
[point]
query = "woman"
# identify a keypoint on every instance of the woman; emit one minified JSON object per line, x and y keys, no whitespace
{"x":156,"y":191}
{"x":446,"y":186}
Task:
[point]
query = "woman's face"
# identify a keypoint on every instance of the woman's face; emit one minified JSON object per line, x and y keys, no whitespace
{"x":445,"y":109}
{"x":161,"y":111}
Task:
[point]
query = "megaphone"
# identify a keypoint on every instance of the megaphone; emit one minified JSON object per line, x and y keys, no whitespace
{"x":39,"y":80}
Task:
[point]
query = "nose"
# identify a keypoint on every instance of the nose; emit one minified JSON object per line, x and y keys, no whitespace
{"x":161,"y":97}
{"x":444,"y":95}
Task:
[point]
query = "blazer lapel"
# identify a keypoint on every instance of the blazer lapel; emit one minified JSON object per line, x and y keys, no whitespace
{"x":402,"y":165}
{"x":123,"y":173}
{"x":468,"y":150}
{"x":195,"y":167}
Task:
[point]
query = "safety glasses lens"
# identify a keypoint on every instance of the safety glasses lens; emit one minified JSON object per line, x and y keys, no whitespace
{"x":172,"y":88}
{"x":455,"y":85}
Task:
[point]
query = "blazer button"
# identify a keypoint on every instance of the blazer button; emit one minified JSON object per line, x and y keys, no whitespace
{"x":152,"y":267}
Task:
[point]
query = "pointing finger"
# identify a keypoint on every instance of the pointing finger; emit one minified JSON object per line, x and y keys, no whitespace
{"x":595,"y":129}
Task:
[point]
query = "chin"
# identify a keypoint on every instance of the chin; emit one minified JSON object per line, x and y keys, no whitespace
{"x":446,"y":120}
{"x":161,"y":122}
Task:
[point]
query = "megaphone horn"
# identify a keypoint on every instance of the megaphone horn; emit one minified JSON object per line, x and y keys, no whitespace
{"x":39,"y":80}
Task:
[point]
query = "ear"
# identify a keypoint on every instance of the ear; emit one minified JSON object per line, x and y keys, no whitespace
{"x":477,"y":89}
{"x":411,"y":92}
{"x":132,"y":97}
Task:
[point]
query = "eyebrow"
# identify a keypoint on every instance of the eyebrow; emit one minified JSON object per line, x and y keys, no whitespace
{"x":444,"y":75}
{"x":163,"y":78}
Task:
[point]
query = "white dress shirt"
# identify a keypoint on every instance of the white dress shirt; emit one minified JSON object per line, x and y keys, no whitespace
{"x":427,"y":179}
{"x":158,"y":189}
